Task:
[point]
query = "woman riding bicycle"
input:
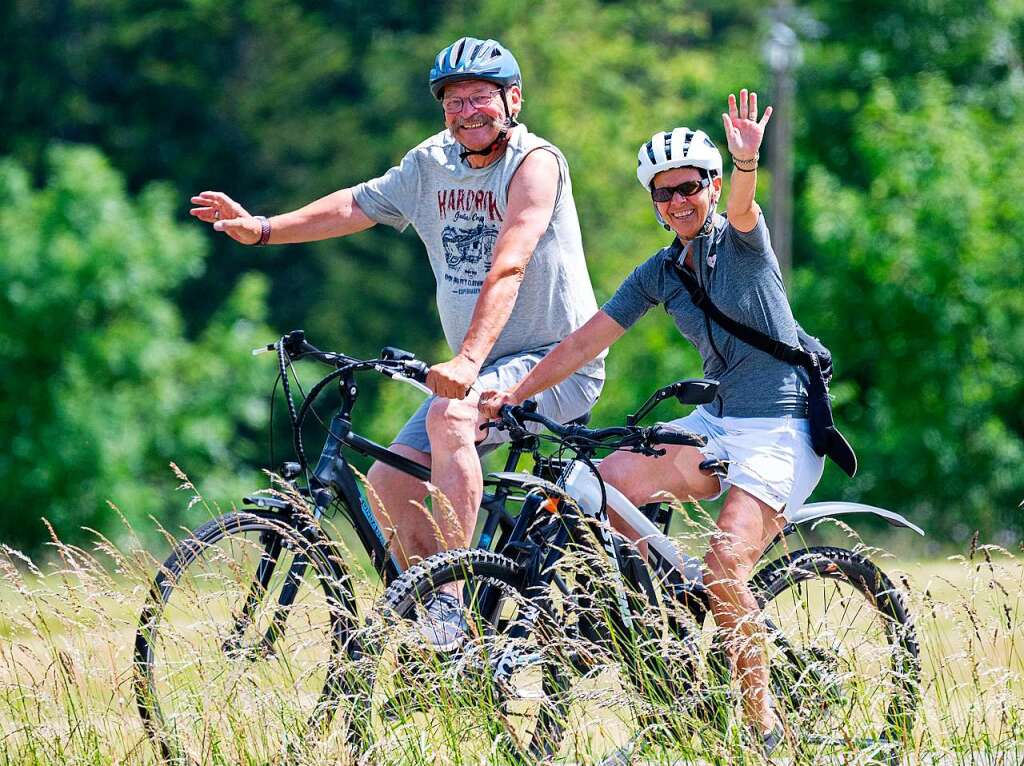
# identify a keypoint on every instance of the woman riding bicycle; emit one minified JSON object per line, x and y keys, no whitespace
{"x":758,"y":424}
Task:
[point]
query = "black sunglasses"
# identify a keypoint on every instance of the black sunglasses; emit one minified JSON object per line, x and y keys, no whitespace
{"x":686,"y":189}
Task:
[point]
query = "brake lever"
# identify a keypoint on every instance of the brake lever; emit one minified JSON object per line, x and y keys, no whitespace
{"x":264,"y":349}
{"x":412,"y":382}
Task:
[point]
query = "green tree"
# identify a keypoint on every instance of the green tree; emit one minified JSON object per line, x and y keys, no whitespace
{"x":101,"y":388}
{"x":916,"y":284}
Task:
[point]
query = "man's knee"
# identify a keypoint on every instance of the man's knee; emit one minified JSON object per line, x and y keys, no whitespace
{"x":451,"y":424}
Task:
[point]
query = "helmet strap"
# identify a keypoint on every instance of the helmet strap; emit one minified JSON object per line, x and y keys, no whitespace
{"x":500,"y":140}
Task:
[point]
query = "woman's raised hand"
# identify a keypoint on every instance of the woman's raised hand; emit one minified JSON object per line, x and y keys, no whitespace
{"x":227,"y":216}
{"x":743,"y":131}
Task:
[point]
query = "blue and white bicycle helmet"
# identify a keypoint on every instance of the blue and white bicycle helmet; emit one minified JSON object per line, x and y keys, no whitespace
{"x":471,"y":59}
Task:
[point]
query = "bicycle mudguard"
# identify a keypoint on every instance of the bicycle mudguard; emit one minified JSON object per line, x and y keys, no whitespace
{"x":815,"y":511}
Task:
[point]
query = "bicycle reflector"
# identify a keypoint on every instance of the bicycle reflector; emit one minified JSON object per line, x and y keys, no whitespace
{"x":551,"y":504}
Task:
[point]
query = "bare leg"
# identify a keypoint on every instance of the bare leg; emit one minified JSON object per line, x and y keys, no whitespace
{"x":455,"y":470}
{"x":642,"y":478}
{"x":398,"y":506}
{"x":746,"y":526}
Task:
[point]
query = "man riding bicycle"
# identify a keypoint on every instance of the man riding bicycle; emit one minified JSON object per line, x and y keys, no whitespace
{"x":493,"y":206}
{"x":758,"y":426}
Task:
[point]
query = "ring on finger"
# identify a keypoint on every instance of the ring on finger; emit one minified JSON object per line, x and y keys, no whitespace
{"x":216,"y":215}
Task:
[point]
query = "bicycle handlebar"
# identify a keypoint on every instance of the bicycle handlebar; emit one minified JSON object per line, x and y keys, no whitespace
{"x":393,"y":363}
{"x":642,"y":439}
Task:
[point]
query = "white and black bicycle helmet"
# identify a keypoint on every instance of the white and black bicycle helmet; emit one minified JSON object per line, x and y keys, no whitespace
{"x":678,"y":148}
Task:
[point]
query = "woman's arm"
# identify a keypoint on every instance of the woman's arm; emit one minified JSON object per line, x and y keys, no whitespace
{"x":576,"y":350}
{"x":744,"y":134}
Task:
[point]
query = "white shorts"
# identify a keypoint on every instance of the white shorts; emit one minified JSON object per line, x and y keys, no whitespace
{"x":771,"y":458}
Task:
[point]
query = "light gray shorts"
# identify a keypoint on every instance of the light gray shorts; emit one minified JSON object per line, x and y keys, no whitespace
{"x":570,"y":399}
{"x":771,"y":458}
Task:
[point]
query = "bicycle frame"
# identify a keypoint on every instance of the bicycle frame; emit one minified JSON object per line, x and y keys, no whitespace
{"x":334,"y":479}
{"x":580,"y":486}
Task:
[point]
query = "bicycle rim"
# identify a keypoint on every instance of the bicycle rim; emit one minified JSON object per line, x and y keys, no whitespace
{"x":219,"y":677}
{"x":843,"y":657}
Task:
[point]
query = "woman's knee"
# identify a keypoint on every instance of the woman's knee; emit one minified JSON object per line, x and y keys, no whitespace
{"x":626,"y":473}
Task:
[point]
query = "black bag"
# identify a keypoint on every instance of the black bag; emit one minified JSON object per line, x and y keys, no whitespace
{"x":811,"y":355}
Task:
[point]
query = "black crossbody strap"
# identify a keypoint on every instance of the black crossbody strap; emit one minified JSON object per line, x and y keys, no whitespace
{"x":759,"y":340}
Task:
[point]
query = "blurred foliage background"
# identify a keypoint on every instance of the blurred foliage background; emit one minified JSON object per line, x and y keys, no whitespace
{"x":126,"y":325}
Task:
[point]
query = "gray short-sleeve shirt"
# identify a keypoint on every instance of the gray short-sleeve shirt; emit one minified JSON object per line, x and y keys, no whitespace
{"x":458,"y":211}
{"x":741,"y":275}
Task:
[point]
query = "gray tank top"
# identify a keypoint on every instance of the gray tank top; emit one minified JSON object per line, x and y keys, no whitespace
{"x":458,"y":211}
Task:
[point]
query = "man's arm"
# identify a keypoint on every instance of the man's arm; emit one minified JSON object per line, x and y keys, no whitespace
{"x":531,"y":202}
{"x":744,"y":134}
{"x":335,"y":215}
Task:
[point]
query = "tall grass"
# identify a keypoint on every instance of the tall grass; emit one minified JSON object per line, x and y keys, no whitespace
{"x":67,"y":677}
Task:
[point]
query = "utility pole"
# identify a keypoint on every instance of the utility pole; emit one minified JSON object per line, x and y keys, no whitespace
{"x":783,"y":54}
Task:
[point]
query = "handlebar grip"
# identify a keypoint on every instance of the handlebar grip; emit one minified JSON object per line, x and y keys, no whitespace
{"x":417,"y":370}
{"x":666,"y":434}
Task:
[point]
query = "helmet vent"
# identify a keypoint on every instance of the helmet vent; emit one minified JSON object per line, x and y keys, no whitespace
{"x":462,"y":47}
{"x":686,"y":143}
{"x":668,"y":146}
{"x":650,"y":151}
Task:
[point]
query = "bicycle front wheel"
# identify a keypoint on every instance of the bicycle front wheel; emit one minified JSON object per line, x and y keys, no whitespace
{"x":843,"y":655}
{"x":488,"y":701}
{"x":241,"y":648}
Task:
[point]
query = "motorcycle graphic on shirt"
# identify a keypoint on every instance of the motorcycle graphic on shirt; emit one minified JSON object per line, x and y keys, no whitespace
{"x":469,"y":247}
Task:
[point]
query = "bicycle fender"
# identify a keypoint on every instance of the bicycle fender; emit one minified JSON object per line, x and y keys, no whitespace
{"x":815,"y":511}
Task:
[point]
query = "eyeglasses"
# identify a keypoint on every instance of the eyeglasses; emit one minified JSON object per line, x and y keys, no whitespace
{"x":686,"y":189}
{"x":454,"y":104}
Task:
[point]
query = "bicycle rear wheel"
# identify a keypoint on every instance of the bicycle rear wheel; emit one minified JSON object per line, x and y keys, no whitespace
{"x":843,"y":655}
{"x":224,"y":670}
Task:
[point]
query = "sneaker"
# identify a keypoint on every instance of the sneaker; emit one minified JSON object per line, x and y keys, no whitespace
{"x":623,"y":756}
{"x":443,"y":625}
{"x":771,"y":740}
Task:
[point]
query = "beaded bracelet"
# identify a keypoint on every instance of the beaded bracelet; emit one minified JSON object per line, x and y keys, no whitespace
{"x":264,"y":229}
{"x":738,"y":163}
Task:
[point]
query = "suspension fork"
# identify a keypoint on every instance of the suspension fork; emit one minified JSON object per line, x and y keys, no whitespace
{"x":272,"y":546}
{"x":538,"y":576}
{"x":257,"y":591}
